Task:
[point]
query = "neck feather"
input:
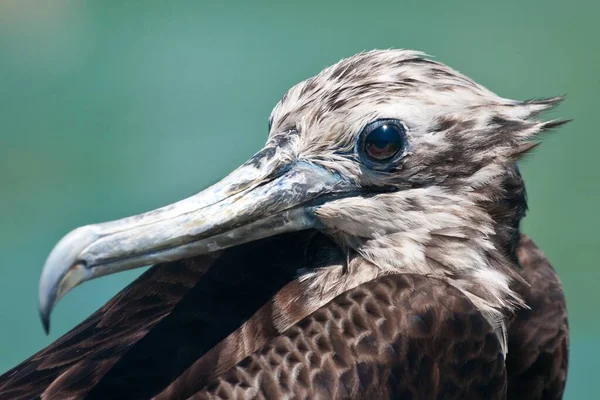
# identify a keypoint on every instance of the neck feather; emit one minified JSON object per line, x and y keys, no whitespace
{"x":466,"y":237}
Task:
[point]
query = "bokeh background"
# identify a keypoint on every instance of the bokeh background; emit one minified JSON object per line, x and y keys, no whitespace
{"x":109,"y":108}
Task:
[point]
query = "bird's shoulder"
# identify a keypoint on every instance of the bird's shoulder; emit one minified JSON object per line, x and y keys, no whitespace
{"x":400,"y":336}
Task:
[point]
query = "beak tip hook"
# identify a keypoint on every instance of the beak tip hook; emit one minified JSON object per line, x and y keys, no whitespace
{"x":45,"y":318}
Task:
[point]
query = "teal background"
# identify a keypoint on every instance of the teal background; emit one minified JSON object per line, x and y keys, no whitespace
{"x":110,"y":108}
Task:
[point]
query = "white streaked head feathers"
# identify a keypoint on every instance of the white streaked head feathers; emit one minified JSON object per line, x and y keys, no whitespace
{"x":462,"y":141}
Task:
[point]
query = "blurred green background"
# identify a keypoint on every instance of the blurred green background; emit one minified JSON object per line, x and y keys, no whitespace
{"x":109,"y":108}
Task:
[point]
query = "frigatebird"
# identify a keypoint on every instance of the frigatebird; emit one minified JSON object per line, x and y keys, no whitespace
{"x":372,"y":249}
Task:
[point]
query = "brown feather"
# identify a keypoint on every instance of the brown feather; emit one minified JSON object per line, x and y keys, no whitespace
{"x":401,"y":336}
{"x":538,"y":337}
{"x":76,"y":361}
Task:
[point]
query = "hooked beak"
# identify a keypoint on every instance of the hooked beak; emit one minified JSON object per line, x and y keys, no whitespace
{"x":268,"y":195}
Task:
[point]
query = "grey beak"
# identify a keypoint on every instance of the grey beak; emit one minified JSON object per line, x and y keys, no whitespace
{"x":268,"y":195}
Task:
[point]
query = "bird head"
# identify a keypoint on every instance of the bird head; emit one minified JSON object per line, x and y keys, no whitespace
{"x":399,"y":159}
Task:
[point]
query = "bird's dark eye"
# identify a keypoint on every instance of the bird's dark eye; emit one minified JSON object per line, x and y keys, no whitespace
{"x":382,"y":142}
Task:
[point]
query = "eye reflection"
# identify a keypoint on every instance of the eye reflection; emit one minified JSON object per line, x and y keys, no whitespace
{"x":384,"y":141}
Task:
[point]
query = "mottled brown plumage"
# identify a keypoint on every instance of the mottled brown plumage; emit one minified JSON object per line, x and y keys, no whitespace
{"x":329,"y":274}
{"x":388,"y":338}
{"x":536,"y":361}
